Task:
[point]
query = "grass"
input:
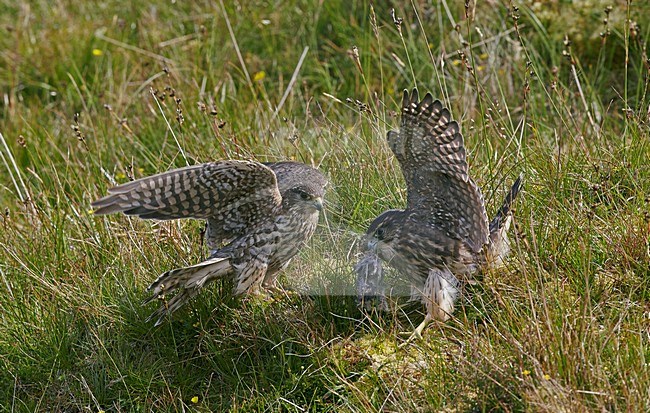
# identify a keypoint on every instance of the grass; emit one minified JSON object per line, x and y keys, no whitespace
{"x":536,"y":88}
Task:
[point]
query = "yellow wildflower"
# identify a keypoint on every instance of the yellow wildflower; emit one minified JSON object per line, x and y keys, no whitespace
{"x":259,"y":76}
{"x":195,"y":399}
{"x":97,"y":52}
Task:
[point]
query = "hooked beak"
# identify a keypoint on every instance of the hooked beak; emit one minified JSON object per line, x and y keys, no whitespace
{"x":318,"y":203}
{"x":372,"y":243}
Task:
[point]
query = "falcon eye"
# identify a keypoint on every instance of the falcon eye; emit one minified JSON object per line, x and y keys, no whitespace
{"x":305,"y":196}
{"x":379,"y":233}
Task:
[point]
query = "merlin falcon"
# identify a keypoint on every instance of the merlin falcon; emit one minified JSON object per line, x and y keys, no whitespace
{"x":443,"y":236}
{"x":258,"y":217}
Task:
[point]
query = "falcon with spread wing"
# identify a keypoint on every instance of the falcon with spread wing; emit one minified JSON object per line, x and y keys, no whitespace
{"x":443,"y":236}
{"x":258,"y":217}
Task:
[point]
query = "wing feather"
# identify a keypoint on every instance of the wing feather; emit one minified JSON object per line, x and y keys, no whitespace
{"x":431,"y":153}
{"x":231,"y":195}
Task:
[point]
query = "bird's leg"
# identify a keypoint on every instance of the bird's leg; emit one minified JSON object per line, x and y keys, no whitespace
{"x":281,"y":291}
{"x":271,"y":291}
{"x":274,"y":289}
{"x":261,"y":293}
{"x":270,"y":282}
{"x":417,"y":333}
{"x":439,"y":295}
{"x":417,"y":294}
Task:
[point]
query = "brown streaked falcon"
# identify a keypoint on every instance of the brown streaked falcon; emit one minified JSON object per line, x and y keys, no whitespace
{"x":258,"y":217}
{"x":443,"y":236}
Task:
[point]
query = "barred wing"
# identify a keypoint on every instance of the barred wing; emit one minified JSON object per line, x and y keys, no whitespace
{"x":231,"y":195}
{"x":431,"y":153}
{"x":428,"y":139}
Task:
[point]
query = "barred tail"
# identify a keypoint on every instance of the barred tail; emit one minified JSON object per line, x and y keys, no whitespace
{"x":499,"y":246}
{"x":188,"y":280}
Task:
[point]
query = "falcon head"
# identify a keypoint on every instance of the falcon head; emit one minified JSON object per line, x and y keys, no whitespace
{"x":383,"y":232}
{"x":304,"y":197}
{"x":301,"y":186}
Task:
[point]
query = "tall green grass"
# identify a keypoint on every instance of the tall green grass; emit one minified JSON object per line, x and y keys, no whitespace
{"x":535,"y":87}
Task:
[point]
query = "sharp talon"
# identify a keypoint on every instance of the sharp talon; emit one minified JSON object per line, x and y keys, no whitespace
{"x":414,"y":336}
{"x":417,"y":333}
{"x":272,"y":289}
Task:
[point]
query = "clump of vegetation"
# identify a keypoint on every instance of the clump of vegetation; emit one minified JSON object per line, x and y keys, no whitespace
{"x":97,"y":94}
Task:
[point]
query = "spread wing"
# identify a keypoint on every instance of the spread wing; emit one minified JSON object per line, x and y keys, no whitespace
{"x":231,"y":195}
{"x":431,"y":153}
{"x":428,"y":139}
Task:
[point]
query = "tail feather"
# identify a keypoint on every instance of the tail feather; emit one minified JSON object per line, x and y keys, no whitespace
{"x":189,"y":280}
{"x":499,"y":246}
